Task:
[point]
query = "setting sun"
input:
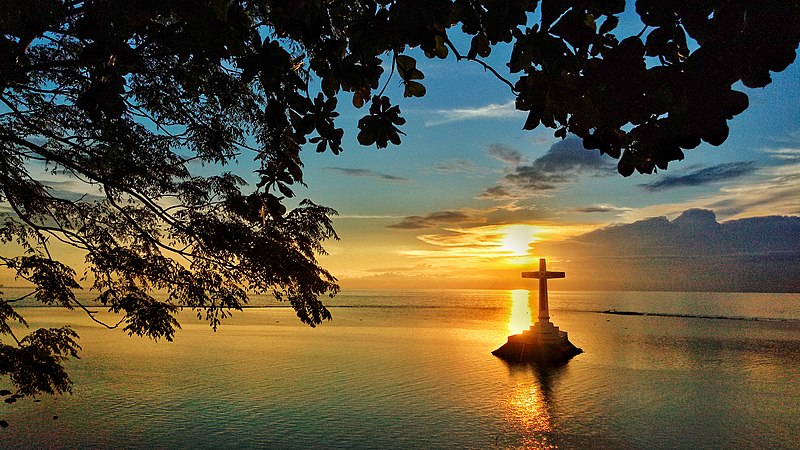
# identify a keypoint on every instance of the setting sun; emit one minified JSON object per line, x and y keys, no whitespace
{"x":517,"y":239}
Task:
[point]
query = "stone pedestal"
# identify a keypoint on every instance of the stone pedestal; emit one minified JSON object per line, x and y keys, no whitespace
{"x":545,"y":331}
{"x":543,"y":343}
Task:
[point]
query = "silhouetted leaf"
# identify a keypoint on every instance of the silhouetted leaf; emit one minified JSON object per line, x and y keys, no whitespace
{"x":414,"y":89}
{"x":626,"y":164}
{"x":479,"y":46}
{"x":285,"y":190}
{"x":609,"y":24}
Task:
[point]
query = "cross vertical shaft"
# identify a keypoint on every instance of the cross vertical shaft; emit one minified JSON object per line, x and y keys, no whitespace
{"x":544,"y":307}
{"x":542,"y":274}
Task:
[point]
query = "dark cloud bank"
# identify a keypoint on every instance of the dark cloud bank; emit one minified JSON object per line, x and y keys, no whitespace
{"x":597,"y":209}
{"x":690,"y":253}
{"x":433,"y":220}
{"x":706,"y":175}
{"x":366,"y":173}
{"x":564,"y":163}
{"x":505,"y":154}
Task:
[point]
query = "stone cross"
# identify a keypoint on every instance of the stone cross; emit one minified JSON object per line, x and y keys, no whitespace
{"x":542,"y":274}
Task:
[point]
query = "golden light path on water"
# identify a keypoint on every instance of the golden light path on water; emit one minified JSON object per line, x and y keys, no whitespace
{"x":520,"y":317}
{"x":525,"y":405}
{"x":527,"y":411}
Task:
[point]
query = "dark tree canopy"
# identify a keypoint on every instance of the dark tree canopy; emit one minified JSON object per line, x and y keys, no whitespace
{"x":128,"y":97}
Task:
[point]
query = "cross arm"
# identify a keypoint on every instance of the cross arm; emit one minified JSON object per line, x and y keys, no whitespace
{"x":547,"y":274}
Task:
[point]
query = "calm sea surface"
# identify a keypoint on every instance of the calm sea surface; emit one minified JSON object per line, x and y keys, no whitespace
{"x":414,"y":370}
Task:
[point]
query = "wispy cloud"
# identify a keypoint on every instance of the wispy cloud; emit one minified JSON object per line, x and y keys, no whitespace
{"x":366,"y":216}
{"x":785,"y":154}
{"x":775,"y":191}
{"x":505,"y":154}
{"x":498,"y":193}
{"x":490,"y":111}
{"x":704,"y":176}
{"x":791,"y":138}
{"x":562,"y":164}
{"x":436,"y":219}
{"x":485,"y":242}
{"x":599,"y":209}
{"x":366,"y":173}
{"x":73,"y":190}
{"x":456,"y":166}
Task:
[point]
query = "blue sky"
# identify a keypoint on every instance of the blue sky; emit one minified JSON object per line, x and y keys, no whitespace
{"x":426,"y":213}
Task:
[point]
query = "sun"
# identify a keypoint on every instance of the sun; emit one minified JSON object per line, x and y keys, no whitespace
{"x":517,"y":239}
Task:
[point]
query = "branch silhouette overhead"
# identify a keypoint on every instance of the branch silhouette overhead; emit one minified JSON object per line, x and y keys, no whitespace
{"x":127,"y":97}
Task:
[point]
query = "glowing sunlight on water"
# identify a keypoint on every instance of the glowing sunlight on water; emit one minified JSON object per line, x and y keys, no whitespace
{"x":527,"y":410}
{"x":520,"y":317}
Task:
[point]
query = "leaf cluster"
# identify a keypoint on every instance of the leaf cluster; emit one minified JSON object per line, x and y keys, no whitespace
{"x":35,"y":363}
{"x":578,"y":78}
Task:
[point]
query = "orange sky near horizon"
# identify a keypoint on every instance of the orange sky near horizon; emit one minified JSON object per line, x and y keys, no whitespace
{"x":484,"y":257}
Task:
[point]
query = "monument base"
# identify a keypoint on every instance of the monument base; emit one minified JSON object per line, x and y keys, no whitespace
{"x":542,"y":343}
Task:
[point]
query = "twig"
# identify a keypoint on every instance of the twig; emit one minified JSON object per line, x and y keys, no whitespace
{"x":486,"y":66}
{"x":394,"y":61}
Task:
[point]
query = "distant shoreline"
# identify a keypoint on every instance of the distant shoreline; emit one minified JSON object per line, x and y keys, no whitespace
{"x":613,"y":312}
{"x":695,"y":316}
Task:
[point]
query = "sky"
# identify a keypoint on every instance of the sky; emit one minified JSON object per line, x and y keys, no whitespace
{"x":470,"y":199}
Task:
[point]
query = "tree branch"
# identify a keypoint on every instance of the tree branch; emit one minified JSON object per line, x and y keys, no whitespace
{"x":486,"y":66}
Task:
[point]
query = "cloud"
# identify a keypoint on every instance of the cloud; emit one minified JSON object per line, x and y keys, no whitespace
{"x":691,"y":252}
{"x":790,"y":138}
{"x":490,"y":111}
{"x":772,"y":191}
{"x":569,"y":156}
{"x":505,"y":154}
{"x":435,"y":219}
{"x":396,"y":269}
{"x":562,"y":164}
{"x":599,"y":209}
{"x":461,"y":166}
{"x":488,"y":245}
{"x":366,"y":216}
{"x":784,"y":154}
{"x":706,"y":175}
{"x":497,"y":193}
{"x":73,"y":190}
{"x":366,"y":173}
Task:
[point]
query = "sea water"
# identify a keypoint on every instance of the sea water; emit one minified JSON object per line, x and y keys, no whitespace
{"x":414,"y":370}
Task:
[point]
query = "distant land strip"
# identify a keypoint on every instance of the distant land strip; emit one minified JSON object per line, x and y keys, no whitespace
{"x":488,"y":308}
{"x":696,"y":316}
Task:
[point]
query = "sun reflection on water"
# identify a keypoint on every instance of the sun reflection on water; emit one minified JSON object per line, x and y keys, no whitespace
{"x":527,"y":411}
{"x":520,"y":317}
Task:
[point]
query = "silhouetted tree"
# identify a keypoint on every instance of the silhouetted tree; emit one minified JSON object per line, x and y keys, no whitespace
{"x":130,"y":97}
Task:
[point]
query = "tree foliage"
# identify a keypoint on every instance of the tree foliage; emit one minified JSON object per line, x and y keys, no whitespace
{"x":145,"y":102}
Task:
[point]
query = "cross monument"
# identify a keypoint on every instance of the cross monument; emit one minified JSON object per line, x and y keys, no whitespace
{"x":543,"y":342}
{"x":543,"y":328}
